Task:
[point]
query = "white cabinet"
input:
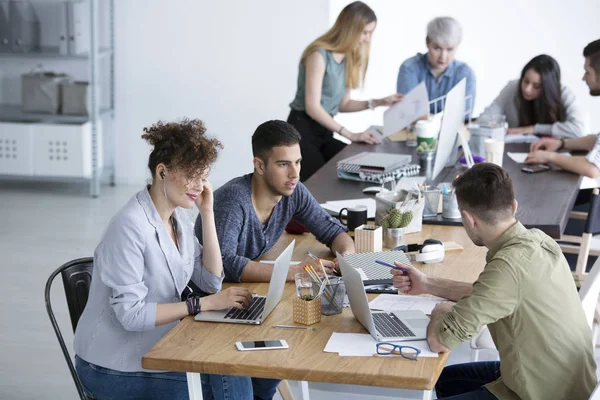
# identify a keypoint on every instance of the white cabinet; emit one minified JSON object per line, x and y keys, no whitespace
{"x":65,"y":150}
{"x":49,"y":150}
{"x":16,"y":148}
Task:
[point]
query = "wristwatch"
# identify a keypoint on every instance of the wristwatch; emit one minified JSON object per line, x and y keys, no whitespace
{"x":193,"y":305}
{"x":370,"y":104}
{"x":562,"y":144}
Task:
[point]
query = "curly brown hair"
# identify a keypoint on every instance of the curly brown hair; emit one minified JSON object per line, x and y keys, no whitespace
{"x":181,"y":146}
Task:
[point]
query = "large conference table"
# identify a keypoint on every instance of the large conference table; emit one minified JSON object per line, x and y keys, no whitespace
{"x":545,"y":199}
{"x":202,"y":347}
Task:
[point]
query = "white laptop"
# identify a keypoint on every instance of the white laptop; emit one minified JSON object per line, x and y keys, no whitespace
{"x":382,"y":325}
{"x":261,"y":306}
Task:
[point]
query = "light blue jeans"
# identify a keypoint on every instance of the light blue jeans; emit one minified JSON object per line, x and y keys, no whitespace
{"x":103,"y":383}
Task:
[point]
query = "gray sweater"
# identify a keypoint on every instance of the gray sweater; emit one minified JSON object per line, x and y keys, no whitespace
{"x":572,"y":127}
{"x":243,"y":237}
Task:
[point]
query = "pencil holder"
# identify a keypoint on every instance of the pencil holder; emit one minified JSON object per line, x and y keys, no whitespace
{"x":307,"y":312}
{"x":368,"y":239}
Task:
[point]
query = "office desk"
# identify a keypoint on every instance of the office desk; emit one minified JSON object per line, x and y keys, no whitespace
{"x":545,"y":199}
{"x":196,"y":347}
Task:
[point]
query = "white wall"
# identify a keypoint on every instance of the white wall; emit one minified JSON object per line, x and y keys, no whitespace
{"x":232,"y":64}
{"x":499,"y":38}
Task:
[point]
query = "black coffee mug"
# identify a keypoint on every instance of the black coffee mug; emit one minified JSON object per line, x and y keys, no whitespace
{"x":357,"y":216}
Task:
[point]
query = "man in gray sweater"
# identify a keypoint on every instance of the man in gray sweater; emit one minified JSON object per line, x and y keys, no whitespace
{"x":252,"y":211}
{"x":545,"y":150}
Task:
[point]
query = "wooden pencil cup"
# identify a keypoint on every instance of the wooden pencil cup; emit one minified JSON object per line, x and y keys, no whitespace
{"x":307,"y":312}
{"x":368,"y":239}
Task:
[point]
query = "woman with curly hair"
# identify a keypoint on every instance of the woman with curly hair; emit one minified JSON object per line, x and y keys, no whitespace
{"x":143,"y":263}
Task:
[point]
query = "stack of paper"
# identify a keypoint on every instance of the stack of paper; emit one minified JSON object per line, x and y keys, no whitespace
{"x":399,"y":302}
{"x":336,"y":205}
{"x":363,"y":345}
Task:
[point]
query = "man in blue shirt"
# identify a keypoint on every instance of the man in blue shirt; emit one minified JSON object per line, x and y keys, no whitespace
{"x":252,"y":211}
{"x":437,"y":67}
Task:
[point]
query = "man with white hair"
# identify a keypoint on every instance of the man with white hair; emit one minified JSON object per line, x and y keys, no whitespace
{"x":437,"y":67}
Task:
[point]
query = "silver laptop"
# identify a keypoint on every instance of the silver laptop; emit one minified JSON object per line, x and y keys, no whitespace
{"x":382,"y":325}
{"x":261,"y":306}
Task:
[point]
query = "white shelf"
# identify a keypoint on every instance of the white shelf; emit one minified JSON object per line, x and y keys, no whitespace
{"x":52,"y":54}
{"x":13,"y":113}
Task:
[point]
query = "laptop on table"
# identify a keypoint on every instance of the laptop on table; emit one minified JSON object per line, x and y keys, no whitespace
{"x":384,"y":326}
{"x":261,"y":306}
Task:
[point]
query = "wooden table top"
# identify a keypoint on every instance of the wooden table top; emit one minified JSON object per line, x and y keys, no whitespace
{"x":545,"y":199}
{"x":209,"y":347}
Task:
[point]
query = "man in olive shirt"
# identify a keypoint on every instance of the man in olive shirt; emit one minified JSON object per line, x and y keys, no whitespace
{"x":525,"y":295}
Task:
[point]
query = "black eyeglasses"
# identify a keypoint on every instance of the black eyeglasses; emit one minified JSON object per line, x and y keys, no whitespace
{"x":408,"y":352}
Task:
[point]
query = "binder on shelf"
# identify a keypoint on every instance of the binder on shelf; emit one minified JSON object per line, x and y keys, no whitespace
{"x":53,"y":27}
{"x":376,"y":167}
{"x":24,"y":27}
{"x":4,"y":28}
{"x":78,"y":34}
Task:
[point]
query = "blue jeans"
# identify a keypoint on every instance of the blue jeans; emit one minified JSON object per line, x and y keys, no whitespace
{"x":465,"y":381}
{"x":103,"y":383}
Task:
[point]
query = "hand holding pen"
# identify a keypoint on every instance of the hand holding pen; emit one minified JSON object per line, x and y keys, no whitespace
{"x":409,"y":280}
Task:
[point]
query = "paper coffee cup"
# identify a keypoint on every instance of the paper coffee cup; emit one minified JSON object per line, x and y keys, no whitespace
{"x":425,"y":131}
{"x":494,"y":151}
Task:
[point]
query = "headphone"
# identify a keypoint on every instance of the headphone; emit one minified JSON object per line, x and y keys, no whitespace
{"x":162,"y":175}
{"x":430,"y":252}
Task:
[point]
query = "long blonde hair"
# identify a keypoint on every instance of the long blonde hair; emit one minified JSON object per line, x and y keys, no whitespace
{"x":343,"y":37}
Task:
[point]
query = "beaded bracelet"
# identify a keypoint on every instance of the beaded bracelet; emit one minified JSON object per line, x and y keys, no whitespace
{"x":193,"y":305}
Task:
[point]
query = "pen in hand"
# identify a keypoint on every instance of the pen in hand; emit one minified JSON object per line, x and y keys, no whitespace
{"x":391,"y":266}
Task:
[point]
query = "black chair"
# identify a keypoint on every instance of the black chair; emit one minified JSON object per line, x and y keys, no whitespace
{"x":77,"y":276}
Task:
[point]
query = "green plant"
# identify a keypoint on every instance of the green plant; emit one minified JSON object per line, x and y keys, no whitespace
{"x":396,"y":219}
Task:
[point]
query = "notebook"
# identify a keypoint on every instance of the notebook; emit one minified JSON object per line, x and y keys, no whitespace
{"x":372,"y":273}
{"x":376,"y":167}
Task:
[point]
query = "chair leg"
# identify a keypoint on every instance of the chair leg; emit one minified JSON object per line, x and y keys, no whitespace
{"x":582,"y":257}
{"x":284,"y":390}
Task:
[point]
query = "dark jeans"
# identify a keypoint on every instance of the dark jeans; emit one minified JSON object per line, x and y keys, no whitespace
{"x":465,"y":381}
{"x":317,"y":143}
{"x":104,"y":383}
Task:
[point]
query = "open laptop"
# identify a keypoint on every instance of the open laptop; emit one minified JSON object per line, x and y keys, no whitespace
{"x":382,"y":325}
{"x":261,"y":306}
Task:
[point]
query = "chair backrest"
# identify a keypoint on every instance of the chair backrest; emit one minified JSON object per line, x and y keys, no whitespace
{"x":77,"y":276}
{"x":589,"y":292}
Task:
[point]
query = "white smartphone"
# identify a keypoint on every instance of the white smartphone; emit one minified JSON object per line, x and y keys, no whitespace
{"x":262,"y":345}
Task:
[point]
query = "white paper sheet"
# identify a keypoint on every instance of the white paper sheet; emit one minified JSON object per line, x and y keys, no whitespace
{"x":363,"y":345}
{"x":336,"y":205}
{"x":399,"y":302}
{"x":273,"y":262}
{"x":519,"y":158}
{"x":414,"y":105}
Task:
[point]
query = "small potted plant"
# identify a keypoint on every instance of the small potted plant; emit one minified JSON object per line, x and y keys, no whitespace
{"x":426,"y":154}
{"x":393,"y":224}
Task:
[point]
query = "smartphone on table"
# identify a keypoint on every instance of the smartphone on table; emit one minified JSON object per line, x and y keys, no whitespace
{"x":262,"y":345}
{"x":532,"y":169}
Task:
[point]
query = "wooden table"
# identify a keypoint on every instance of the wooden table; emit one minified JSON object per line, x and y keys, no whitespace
{"x":195,"y":347}
{"x":545,"y":199}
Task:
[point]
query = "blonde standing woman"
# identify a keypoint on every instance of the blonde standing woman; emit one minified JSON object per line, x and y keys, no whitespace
{"x":330,"y":67}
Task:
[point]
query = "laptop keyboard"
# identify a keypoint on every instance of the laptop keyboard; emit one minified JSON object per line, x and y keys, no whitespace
{"x":388,"y":325}
{"x":251,"y":313}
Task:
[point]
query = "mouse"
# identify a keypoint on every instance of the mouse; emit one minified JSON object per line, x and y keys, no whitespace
{"x":375,"y":190}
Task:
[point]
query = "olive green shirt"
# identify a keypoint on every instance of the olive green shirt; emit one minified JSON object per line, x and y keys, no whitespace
{"x":527,"y":297}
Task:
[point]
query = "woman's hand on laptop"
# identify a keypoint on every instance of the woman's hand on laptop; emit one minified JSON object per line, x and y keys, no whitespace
{"x":238,"y":297}
{"x":412,"y":281}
